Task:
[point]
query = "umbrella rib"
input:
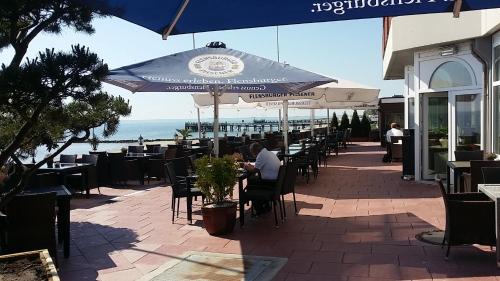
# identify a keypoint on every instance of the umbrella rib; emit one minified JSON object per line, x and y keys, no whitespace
{"x":171,"y":26}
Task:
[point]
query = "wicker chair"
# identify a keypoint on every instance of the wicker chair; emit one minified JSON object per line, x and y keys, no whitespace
{"x":475,"y":177}
{"x":491,"y":175}
{"x":30,"y":224}
{"x":102,"y":167}
{"x":266,"y":191}
{"x":289,"y":185}
{"x":153,"y":148}
{"x":67,"y":158}
{"x":181,"y":188}
{"x":463,"y":155}
{"x":155,"y":169}
{"x":462,"y":224}
{"x":78,"y":181}
{"x":121,"y":170}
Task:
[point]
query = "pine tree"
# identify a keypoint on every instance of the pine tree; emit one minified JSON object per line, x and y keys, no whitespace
{"x":335,"y":121}
{"x":365,"y":125}
{"x":356,"y":125}
{"x":344,"y":122}
{"x":53,"y":99}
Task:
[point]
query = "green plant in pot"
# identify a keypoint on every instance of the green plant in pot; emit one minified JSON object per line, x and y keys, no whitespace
{"x":185,"y":133}
{"x":216,"y":179}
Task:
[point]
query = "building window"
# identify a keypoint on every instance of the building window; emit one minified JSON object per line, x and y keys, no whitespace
{"x":449,"y":75}
{"x":496,"y":93}
{"x":468,"y":122}
{"x":496,"y":63}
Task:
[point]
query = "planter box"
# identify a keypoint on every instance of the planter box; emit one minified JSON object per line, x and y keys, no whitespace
{"x":44,"y":257}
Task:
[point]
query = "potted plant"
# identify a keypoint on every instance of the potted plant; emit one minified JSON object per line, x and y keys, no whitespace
{"x":185,"y":133}
{"x":216,"y":179}
{"x":94,"y":142}
{"x":491,"y":156}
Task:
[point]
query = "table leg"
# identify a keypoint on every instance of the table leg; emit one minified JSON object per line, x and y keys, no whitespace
{"x":189,"y":201}
{"x":241,"y":202}
{"x":457,"y":184}
{"x":63,"y":222}
{"x":448,"y":179}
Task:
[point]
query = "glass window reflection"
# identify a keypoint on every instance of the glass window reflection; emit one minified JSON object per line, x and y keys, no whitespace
{"x":468,"y":122}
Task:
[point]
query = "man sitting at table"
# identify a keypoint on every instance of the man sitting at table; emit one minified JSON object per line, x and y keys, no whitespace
{"x":267,"y":165}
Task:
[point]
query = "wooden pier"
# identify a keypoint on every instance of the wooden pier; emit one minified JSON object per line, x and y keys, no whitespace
{"x":255,"y":126}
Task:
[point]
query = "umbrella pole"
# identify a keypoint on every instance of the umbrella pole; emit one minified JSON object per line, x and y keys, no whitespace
{"x":312,"y":123}
{"x":216,"y":121}
{"x":279,"y":120}
{"x":327,"y":121}
{"x":199,"y":122}
{"x":285,"y":124}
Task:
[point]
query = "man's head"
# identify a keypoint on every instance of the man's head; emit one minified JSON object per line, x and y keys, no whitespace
{"x":255,"y":148}
{"x":395,"y":126}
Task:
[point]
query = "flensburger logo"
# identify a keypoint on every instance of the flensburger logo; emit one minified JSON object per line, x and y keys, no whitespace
{"x":216,"y":66}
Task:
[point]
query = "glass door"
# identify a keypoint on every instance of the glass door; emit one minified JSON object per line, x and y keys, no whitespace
{"x":467,"y":122}
{"x":434,"y":134}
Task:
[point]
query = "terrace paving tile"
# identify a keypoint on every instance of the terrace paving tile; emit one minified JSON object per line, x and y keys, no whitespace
{"x":356,"y":222}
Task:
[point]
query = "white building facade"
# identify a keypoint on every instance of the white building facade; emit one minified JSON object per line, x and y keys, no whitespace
{"x":451,"y":69}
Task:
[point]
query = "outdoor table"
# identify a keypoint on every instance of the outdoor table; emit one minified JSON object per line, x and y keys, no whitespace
{"x":64,"y":169}
{"x":196,"y":148}
{"x":458,"y":167}
{"x":493,"y":192}
{"x":63,"y":198}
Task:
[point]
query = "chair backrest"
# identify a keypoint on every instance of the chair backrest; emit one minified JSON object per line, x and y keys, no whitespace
{"x":280,"y":181}
{"x":290,"y":177}
{"x":172,"y":176}
{"x":245,"y":152}
{"x":116,"y":156}
{"x":462,"y":155}
{"x":192,"y":161}
{"x":180,"y":166}
{"x":31,"y":223}
{"x":90,"y":158}
{"x":396,"y":139}
{"x":170,"y":153}
{"x":135,"y":149}
{"x":476,"y":172}
{"x":491,"y":175}
{"x":67,"y":158}
{"x":204,"y":142}
{"x":153,"y":148}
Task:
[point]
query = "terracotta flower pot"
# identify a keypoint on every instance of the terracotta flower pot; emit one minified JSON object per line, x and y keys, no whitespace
{"x":219,"y":219}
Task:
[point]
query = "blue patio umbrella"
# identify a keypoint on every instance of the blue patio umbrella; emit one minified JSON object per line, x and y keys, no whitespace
{"x":170,"y":17}
{"x":215,"y":69}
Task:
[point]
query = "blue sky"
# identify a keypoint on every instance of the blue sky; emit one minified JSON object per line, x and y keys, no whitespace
{"x":348,"y":49}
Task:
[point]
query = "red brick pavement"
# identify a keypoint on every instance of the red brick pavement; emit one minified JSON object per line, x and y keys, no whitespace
{"x":357,"y":222}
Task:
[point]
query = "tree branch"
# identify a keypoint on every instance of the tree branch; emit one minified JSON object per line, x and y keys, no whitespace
{"x":21,"y":134}
{"x":28,"y":172}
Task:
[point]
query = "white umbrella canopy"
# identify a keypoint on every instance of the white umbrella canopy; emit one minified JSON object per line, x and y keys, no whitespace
{"x":343,"y":94}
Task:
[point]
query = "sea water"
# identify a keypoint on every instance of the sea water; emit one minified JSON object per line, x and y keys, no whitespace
{"x":131,"y":130}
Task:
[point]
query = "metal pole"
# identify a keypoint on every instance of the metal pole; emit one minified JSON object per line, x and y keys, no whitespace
{"x":312,"y":123}
{"x":216,"y":120}
{"x":279,"y":119}
{"x":199,"y":122}
{"x":327,"y":121}
{"x":285,"y":124}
